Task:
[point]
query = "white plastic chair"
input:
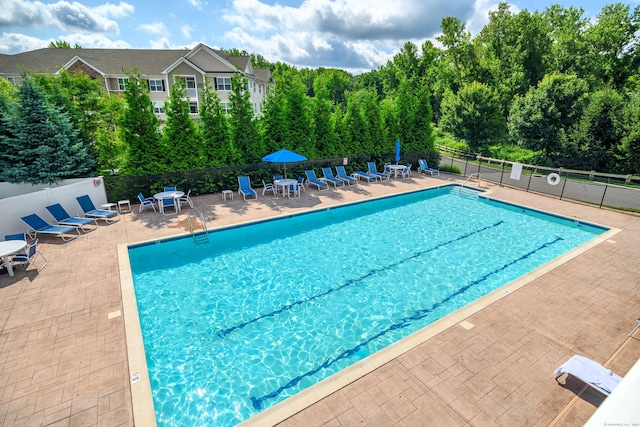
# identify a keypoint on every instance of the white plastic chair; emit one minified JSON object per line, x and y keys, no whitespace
{"x":29,"y":257}
{"x":186,"y":199}
{"x":268,"y":187}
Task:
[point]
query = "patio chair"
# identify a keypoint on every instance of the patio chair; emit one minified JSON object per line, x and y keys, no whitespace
{"x":364,"y":175}
{"x":342,"y":174}
{"x":146,"y":201}
{"x":268,"y":187}
{"x":313,"y":180}
{"x":301,"y":183}
{"x":591,"y":373}
{"x":63,"y":218}
{"x":90,"y":210}
{"x":328,"y":175}
{"x":17,"y":236}
{"x":29,"y":257}
{"x":186,"y":199}
{"x":169,"y":189}
{"x":294,"y":190}
{"x":245,"y":187}
{"x":168,"y":202}
{"x":40,"y":226}
{"x":374,"y":172}
{"x":424,"y":168}
{"x":406,"y":172}
{"x":277,"y":177}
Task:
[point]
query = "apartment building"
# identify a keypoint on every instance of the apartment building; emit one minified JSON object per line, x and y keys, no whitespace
{"x":159,"y":67}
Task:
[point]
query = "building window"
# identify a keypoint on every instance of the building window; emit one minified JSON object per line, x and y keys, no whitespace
{"x":122,"y":83}
{"x":11,"y":80}
{"x":259,"y":88}
{"x":156,"y":85}
{"x":190,"y":82}
{"x":223,"y":83}
{"x":158,"y":107}
{"x":225,"y":107}
{"x":193,"y":107}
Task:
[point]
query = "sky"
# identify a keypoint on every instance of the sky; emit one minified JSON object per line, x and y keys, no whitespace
{"x":353,"y":35}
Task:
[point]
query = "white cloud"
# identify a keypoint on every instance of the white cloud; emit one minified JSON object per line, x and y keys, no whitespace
{"x":154,"y":28}
{"x":186,"y":31}
{"x":14,"y":43}
{"x":197,"y":4}
{"x":62,"y":15}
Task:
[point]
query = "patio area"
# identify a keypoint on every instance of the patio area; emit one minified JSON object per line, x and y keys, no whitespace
{"x":64,"y":357}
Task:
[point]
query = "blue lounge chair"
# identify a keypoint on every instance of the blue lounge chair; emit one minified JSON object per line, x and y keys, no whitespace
{"x":90,"y":210}
{"x":342,"y":174}
{"x":424,"y":167}
{"x":374,"y":172}
{"x":328,"y":175}
{"x":63,"y":218}
{"x":313,"y":180}
{"x":364,"y":175}
{"x":40,"y":226}
{"x":146,"y":201}
{"x":245,"y":187}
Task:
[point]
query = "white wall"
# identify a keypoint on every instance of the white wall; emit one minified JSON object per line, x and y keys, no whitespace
{"x":12,"y":208}
{"x":9,"y":190}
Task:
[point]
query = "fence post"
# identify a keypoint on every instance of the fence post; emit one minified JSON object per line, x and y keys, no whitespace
{"x":603,"y":194}
{"x":502,"y":174}
{"x":566,"y":178}
{"x":530,"y":178}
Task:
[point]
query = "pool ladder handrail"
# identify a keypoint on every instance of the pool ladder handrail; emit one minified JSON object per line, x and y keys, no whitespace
{"x":200,"y":238}
{"x":463,"y":190}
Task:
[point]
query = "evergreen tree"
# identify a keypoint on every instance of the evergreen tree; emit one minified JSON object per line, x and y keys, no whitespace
{"x":355,"y":129}
{"x":181,"y":139}
{"x":631,"y":140}
{"x":342,"y":146}
{"x":323,"y":126}
{"x":110,"y":148}
{"x":139,"y":130}
{"x":244,"y":128}
{"x":40,"y":145}
{"x":423,"y":124}
{"x":297,"y":117}
{"x":377,"y":141}
{"x":214,"y":130}
{"x":273,"y":124}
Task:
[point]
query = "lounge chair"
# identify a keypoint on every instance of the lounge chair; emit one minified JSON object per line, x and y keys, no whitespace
{"x":313,"y":180}
{"x":424,"y":168}
{"x":328,"y":176}
{"x":63,"y":218}
{"x":90,"y":210}
{"x":590,"y":372}
{"x":29,"y":257}
{"x":245,"y":187}
{"x":364,"y":175}
{"x":374,"y":172}
{"x":40,"y":226}
{"x":146,"y":201}
{"x":342,"y":174}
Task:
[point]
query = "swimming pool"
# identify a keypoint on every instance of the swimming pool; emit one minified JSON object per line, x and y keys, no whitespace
{"x":267,"y":310}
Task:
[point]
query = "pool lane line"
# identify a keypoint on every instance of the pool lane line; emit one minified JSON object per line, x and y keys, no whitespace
{"x":402,"y":323}
{"x":224,"y":332}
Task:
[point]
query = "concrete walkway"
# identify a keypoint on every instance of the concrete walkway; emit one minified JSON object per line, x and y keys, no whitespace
{"x":63,"y":358}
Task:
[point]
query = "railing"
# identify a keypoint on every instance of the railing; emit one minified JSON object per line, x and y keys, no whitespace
{"x":200,"y":238}
{"x":601,"y":189}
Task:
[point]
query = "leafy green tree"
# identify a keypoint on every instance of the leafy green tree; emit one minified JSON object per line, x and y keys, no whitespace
{"x":459,"y":53}
{"x":273,"y":124}
{"x":214,"y":130}
{"x":62,"y":44}
{"x":475,"y":115}
{"x":546,"y":115}
{"x":355,"y":135}
{"x":377,"y":139}
{"x":245,"y":134}
{"x":342,"y":147}
{"x":323,"y":125}
{"x":335,"y":82}
{"x":422,"y":122}
{"x":40,"y":145}
{"x":569,"y":48}
{"x":631,"y":138}
{"x":109,"y":147}
{"x":181,"y":138}
{"x":600,"y":132}
{"x":139,"y":130}
{"x":297,"y":116}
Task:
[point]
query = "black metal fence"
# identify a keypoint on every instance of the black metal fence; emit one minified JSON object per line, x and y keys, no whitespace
{"x":600,"y":189}
{"x":215,"y":180}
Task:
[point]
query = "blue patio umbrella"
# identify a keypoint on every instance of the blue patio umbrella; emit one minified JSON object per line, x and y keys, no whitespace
{"x":284,"y":156}
{"x":397,"y":151}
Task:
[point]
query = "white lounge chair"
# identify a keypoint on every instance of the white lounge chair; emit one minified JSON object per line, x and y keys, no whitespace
{"x":590,"y":372}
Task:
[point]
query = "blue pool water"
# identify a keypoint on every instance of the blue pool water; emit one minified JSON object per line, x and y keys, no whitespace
{"x":267,"y":310}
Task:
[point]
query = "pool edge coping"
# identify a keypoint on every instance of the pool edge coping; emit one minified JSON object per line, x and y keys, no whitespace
{"x":141,"y":394}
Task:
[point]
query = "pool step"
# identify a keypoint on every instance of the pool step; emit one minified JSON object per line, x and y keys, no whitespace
{"x":465,"y":192}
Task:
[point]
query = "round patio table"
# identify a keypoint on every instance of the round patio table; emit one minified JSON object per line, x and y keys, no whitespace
{"x":10,"y":247}
{"x":284,"y":183}
{"x":169,"y":195}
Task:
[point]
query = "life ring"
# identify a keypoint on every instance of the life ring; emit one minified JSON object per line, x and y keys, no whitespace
{"x":553,"y":179}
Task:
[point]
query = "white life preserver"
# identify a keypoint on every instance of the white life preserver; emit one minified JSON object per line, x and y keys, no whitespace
{"x":553,"y":179}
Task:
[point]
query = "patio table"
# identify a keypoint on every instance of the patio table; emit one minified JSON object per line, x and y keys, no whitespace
{"x":284,"y":183}
{"x":10,"y":247}
{"x":169,"y":195}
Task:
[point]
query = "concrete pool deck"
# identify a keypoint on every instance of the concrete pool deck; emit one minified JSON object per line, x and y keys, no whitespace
{"x":64,"y":357}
